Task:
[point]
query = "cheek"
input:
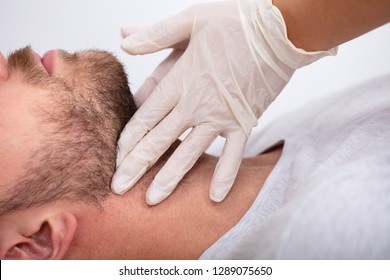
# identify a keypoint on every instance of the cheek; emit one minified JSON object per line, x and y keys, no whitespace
{"x":10,"y":171}
{"x":16,"y":146}
{"x":4,"y":75}
{"x":19,"y":136}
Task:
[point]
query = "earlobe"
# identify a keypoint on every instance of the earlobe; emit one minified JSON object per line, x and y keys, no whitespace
{"x":51,"y":241}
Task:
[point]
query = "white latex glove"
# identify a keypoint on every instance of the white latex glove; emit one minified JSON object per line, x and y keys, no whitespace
{"x":237,"y":60}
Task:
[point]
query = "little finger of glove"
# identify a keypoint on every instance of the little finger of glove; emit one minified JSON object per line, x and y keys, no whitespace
{"x":228,"y":165}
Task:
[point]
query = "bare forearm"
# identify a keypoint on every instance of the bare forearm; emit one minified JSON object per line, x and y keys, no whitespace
{"x":323,"y":24}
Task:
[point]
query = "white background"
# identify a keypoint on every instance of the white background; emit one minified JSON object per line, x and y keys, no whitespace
{"x":75,"y":25}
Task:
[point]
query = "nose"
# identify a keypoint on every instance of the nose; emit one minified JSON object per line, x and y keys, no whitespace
{"x":3,"y":68}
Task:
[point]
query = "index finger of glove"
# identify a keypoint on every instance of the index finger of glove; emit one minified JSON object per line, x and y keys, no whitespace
{"x":153,"y":80}
{"x":147,"y":152}
{"x":155,"y":108}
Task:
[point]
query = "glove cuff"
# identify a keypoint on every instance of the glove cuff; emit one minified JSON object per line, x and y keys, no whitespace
{"x":271,"y":23}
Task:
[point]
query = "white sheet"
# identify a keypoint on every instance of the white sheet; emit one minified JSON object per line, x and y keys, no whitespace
{"x":329,"y":195}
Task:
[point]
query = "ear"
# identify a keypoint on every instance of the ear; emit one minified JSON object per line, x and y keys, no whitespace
{"x":50,"y":239}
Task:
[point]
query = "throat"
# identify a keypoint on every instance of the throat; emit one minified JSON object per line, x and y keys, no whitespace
{"x":187,"y":223}
{"x":201,"y":222}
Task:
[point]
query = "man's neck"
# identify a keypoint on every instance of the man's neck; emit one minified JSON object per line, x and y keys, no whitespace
{"x":181,"y":227}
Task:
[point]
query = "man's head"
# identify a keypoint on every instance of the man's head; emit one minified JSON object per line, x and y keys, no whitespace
{"x":60,"y":119}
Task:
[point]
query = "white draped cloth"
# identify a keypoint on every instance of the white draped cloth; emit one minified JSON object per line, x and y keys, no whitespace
{"x":328,"y":196}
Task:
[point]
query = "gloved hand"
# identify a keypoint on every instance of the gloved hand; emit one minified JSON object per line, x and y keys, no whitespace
{"x":236,"y":61}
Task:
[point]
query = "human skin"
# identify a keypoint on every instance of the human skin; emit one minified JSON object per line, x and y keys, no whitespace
{"x":124,"y":227}
{"x":182,"y":227}
{"x":315,"y":25}
{"x":15,"y":100}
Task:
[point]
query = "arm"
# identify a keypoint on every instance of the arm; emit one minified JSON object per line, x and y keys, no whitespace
{"x":236,"y":62}
{"x":323,"y":24}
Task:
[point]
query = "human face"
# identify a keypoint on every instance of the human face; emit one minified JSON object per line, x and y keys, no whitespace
{"x":18,"y":127}
{"x":28,"y":83}
{"x":60,"y":119}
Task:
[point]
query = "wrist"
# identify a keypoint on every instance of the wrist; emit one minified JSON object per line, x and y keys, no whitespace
{"x":273,"y":26}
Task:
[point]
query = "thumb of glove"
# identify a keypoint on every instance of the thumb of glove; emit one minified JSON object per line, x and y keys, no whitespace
{"x":167,"y":33}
